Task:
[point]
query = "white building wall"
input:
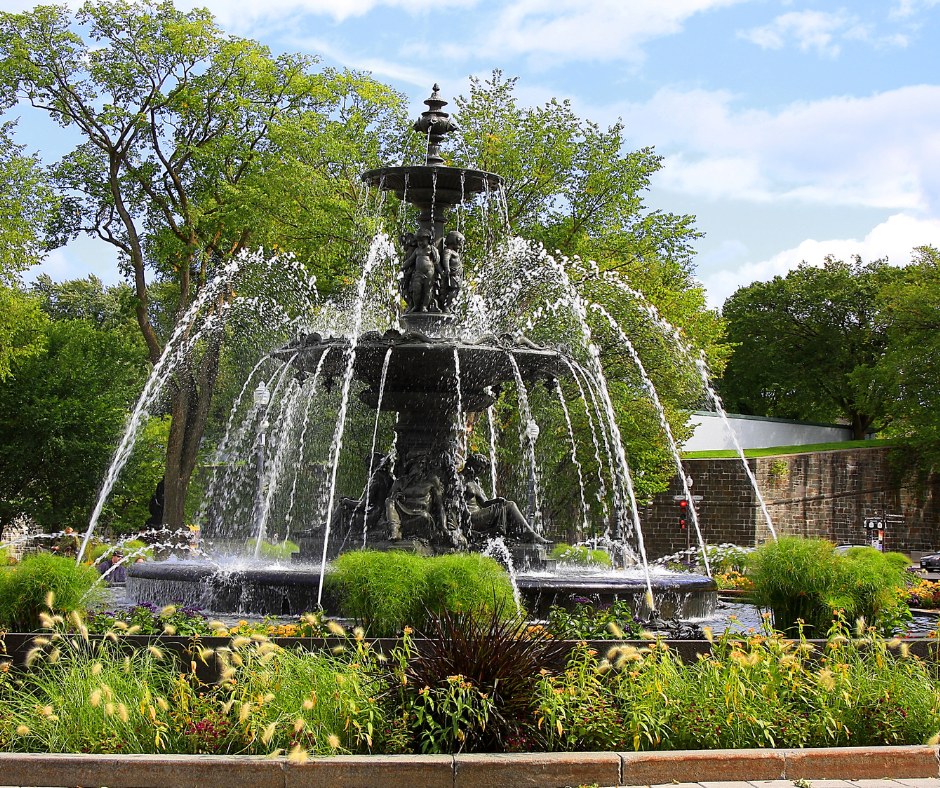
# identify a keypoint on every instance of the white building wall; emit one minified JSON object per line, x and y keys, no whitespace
{"x":757,"y":432}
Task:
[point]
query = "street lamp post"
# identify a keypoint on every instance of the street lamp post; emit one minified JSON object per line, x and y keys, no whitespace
{"x":262,"y":396}
{"x":532,"y":433}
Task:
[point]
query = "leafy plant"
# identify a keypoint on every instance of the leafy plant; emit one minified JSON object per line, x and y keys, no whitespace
{"x":27,"y":588}
{"x":585,"y":622}
{"x":484,"y":667}
{"x":580,"y":554}
{"x":147,"y":619}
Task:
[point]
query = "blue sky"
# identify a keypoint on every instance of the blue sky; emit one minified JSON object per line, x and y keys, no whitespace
{"x":791,"y":128}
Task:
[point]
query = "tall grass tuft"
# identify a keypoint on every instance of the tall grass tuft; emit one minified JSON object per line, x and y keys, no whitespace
{"x":806,"y":580}
{"x":25,"y":589}
{"x":387,"y":591}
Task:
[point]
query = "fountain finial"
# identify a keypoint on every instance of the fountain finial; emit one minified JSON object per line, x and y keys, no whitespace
{"x":435,"y":123}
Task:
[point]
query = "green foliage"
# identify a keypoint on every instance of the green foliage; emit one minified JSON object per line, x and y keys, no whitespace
{"x":387,"y":591}
{"x":587,"y":622}
{"x":275,"y":552}
{"x":806,"y":345}
{"x":750,"y":691}
{"x":910,"y":305}
{"x":60,"y":414}
{"x":580,"y":554}
{"x":27,"y":204}
{"x":725,"y":558}
{"x":44,"y":580}
{"x":473,"y":685}
{"x":148,"y":620}
{"x":21,"y":330}
{"x":806,"y":580}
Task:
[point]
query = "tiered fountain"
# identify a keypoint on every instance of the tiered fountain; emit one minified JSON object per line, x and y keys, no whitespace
{"x":430,"y":376}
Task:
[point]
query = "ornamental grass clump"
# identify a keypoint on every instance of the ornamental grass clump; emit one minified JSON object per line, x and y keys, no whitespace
{"x":25,"y":589}
{"x":387,"y":591}
{"x":805,"y":580}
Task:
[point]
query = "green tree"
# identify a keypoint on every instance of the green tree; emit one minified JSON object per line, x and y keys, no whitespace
{"x":61,"y":411}
{"x":806,"y":345}
{"x":910,"y":316}
{"x":576,"y":189}
{"x":197,"y":146}
{"x":26,"y":205}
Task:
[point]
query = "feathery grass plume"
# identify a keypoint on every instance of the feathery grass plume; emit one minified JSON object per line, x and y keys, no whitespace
{"x":613,"y":653}
{"x":335,"y":628}
{"x":133,"y":630}
{"x":266,"y":647}
{"x":336,"y":650}
{"x":216,"y":624}
{"x":109,"y":708}
{"x":308,"y":704}
{"x":603,"y":667}
{"x":227,"y":706}
{"x":169,"y":629}
{"x":41,"y":641}
{"x":275,"y":753}
{"x":268,"y":733}
{"x":155,"y":652}
{"x":258,"y":637}
{"x":32,"y":655}
{"x":359,"y":632}
{"x":229,"y":673}
{"x":934,"y":740}
{"x":22,"y":730}
{"x":240,"y":642}
{"x":645,"y":635}
{"x":826,"y":679}
{"x":905,"y":650}
{"x":122,"y":625}
{"x":298,"y":755}
{"x":299,"y":724}
{"x":268,"y":697}
{"x":95,"y":697}
{"x":167,"y":611}
{"x":860,"y":626}
{"x":614,"y":630}
{"x":127,"y":664}
{"x":648,"y":598}
{"x":122,"y":712}
{"x":45,"y":620}
{"x":162,"y":703}
{"x":243,"y":711}
{"x":76,"y":619}
{"x":707,"y":631}
{"x":894,"y":642}
{"x":50,"y":599}
{"x":54,"y":655}
{"x":333,"y":741}
{"x":204,"y":654}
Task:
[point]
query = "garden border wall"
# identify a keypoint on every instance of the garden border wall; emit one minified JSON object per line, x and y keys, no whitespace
{"x":522,"y":770}
{"x":825,"y":494}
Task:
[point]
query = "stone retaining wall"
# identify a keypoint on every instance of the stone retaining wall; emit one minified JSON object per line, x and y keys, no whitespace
{"x":524,"y":770}
{"x":826,"y":494}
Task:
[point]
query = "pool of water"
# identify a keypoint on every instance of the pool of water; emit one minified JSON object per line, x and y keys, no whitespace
{"x":744,"y":616}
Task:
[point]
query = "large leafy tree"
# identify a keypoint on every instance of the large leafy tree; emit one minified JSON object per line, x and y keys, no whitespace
{"x":61,"y":411}
{"x":577,"y":189}
{"x":910,"y":316}
{"x":196,"y":146}
{"x":806,"y":345}
{"x":26,"y":205}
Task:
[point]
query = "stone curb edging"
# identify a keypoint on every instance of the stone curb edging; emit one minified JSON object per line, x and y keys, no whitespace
{"x":522,"y":770}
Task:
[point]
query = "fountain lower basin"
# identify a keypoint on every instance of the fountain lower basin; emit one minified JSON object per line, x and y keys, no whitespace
{"x":289,"y":590}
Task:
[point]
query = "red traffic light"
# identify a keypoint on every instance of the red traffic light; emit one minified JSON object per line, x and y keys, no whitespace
{"x":683,"y":504}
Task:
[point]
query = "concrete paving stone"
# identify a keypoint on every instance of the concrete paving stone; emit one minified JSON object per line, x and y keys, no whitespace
{"x":730,"y":784}
{"x":861,"y":763}
{"x":682,"y":785}
{"x":918,"y":782}
{"x":535,"y":770}
{"x":371,"y":771}
{"x":885,"y":783}
{"x":690,"y":766}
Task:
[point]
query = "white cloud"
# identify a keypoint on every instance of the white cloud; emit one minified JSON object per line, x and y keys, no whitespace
{"x":810,"y":29}
{"x":894,"y":239}
{"x":553,"y":31}
{"x":877,"y":151}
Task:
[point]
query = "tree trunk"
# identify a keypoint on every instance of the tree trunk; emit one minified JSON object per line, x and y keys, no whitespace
{"x":191,"y":397}
{"x":860,"y":425}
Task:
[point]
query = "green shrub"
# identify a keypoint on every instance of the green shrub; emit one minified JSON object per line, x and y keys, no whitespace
{"x":387,"y":591}
{"x":580,"y":554}
{"x":805,"y":579}
{"x":137,"y":547}
{"x":25,"y":589}
{"x":280,"y":551}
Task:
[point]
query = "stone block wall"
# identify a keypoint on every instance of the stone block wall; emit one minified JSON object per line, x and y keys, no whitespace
{"x":825,"y":494}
